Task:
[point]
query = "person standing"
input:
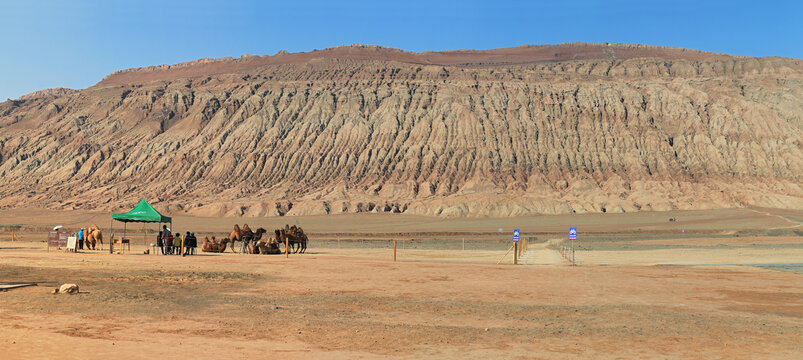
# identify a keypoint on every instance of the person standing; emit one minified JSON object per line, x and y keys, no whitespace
{"x":187,"y":243}
{"x":166,"y":243}
{"x":193,"y":243}
{"x":177,"y":243}
{"x":81,"y":239}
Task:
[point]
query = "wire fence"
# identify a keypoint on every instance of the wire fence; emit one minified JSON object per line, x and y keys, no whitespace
{"x":414,"y":243}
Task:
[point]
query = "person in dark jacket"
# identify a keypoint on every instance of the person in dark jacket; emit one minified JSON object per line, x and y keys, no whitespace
{"x":190,"y":242}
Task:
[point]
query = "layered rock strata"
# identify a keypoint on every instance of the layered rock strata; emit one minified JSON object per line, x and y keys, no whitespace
{"x":531,"y":130}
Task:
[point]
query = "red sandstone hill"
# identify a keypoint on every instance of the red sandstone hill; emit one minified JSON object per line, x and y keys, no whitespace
{"x":497,"y":57}
{"x":525,"y":130}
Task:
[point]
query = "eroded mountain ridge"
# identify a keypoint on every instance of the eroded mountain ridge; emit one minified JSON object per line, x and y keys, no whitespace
{"x":529,"y":130}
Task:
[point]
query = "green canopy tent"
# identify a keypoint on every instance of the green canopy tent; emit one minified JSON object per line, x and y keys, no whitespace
{"x":142,"y":213}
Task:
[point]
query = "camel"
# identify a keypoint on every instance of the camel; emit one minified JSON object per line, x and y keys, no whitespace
{"x":296,"y":239}
{"x":94,"y":237}
{"x":301,"y":238}
{"x":268,"y":246}
{"x":254,"y":247}
{"x":213,"y":245}
{"x":237,"y":234}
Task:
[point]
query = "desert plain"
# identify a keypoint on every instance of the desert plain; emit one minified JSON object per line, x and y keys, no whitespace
{"x":714,"y":284}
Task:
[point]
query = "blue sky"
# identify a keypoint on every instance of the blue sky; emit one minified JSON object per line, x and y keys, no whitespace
{"x":74,"y":44}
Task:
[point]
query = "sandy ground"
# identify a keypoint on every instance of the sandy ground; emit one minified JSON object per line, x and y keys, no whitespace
{"x":358,"y":303}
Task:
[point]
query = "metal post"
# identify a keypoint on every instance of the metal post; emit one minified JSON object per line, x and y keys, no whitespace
{"x":125,"y":225}
{"x":394,"y":249}
{"x":464,"y":243}
{"x":111,"y":234}
{"x":572,"y":252}
{"x":182,"y":245}
{"x":286,"y":251}
{"x":515,"y":253}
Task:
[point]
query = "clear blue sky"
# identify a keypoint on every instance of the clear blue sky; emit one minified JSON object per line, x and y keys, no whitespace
{"x":75,"y":43}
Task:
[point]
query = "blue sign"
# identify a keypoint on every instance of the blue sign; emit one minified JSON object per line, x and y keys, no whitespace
{"x":573,"y":233}
{"x":516,"y":235}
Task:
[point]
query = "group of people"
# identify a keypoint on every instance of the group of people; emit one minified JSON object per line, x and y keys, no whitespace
{"x":171,"y":244}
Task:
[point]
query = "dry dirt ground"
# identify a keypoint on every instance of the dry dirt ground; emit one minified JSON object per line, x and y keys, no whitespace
{"x":357,"y":303}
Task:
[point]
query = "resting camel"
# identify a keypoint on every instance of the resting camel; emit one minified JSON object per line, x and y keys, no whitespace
{"x":214,"y":246}
{"x":268,"y":246}
{"x":238,"y":234}
{"x":256,"y":242}
{"x":94,"y":237}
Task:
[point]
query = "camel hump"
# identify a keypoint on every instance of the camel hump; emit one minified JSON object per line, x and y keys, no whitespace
{"x":246,"y":228}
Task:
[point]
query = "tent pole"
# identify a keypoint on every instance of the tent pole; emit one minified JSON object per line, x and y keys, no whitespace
{"x":111,"y":230}
{"x":111,"y":236}
{"x":125,"y":225}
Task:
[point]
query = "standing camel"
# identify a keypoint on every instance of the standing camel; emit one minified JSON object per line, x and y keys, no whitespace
{"x":237,"y":234}
{"x":300,"y":238}
{"x":296,"y":239}
{"x":94,"y":237}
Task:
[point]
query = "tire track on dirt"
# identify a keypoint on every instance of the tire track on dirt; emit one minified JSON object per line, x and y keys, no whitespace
{"x":796,"y":224}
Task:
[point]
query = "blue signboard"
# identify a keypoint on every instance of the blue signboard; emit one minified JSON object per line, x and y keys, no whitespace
{"x":516,"y":235}
{"x":573,"y":233}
